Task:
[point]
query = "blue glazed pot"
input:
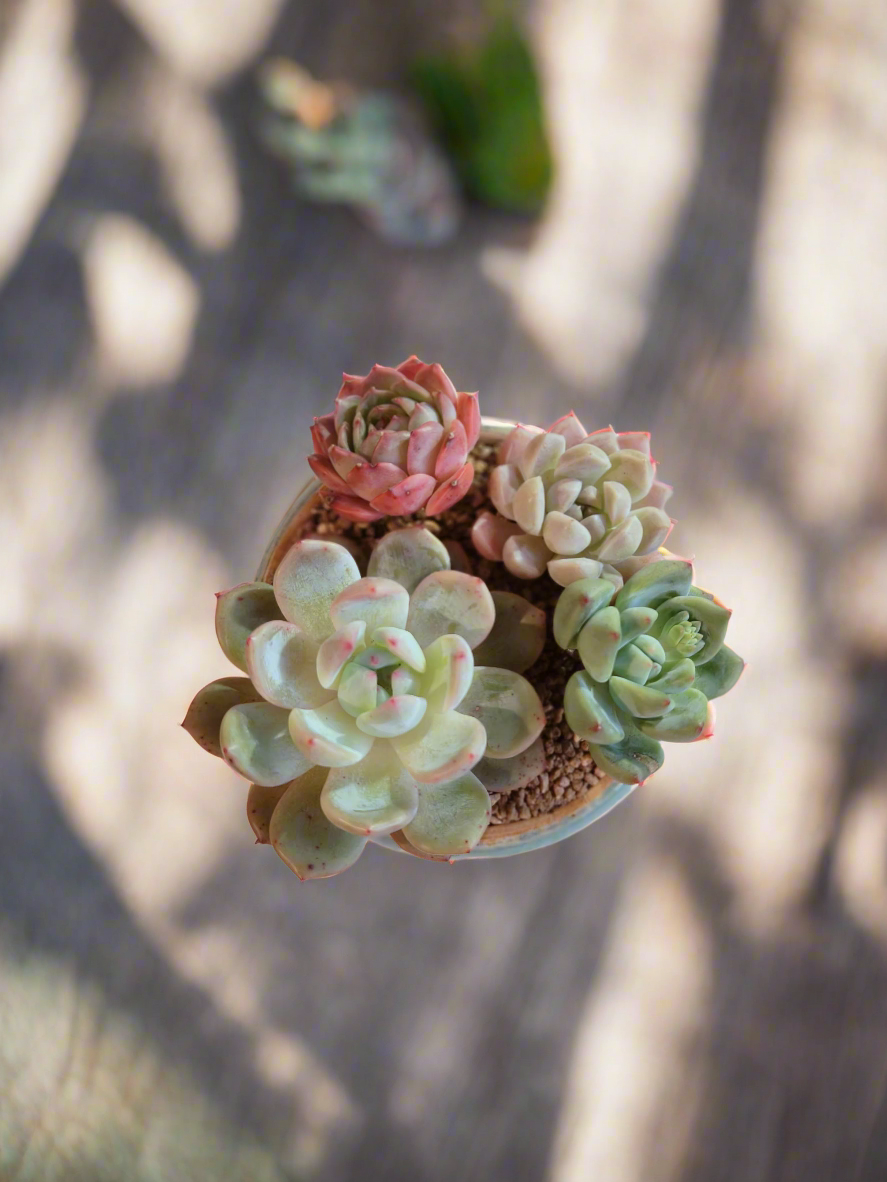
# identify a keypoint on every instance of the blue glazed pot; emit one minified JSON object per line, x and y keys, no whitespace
{"x":512,"y":837}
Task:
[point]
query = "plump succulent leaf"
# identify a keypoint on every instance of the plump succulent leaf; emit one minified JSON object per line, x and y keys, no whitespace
{"x":505,"y":775}
{"x":565,"y":571}
{"x":633,"y":663}
{"x":526,"y":556}
{"x":508,"y":708}
{"x":517,"y":637}
{"x":210,"y":705}
{"x":260,"y":805}
{"x":380,"y":603}
{"x":408,"y":556}
{"x":450,"y":602}
{"x":335,"y":652}
{"x":282,"y":662}
{"x":678,"y":676}
{"x":641,"y":701}
{"x":328,"y":736}
{"x":576,"y":606}
{"x":357,"y":689}
{"x":308,"y":579}
{"x":653,"y":584}
{"x":255,"y":742}
{"x":238,"y":613}
{"x":589,"y":710}
{"x":448,"y":673}
{"x":396,"y":716}
{"x":720,"y":674}
{"x":374,"y":796}
{"x":302,"y":835}
{"x":631,"y":760}
{"x":441,"y":747}
{"x":685,"y":721}
{"x":403,"y":645}
{"x":712,"y":617}
{"x":599,"y":643}
{"x":451,"y":818}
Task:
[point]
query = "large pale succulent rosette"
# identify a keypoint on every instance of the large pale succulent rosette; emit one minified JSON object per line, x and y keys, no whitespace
{"x":653,"y":660}
{"x":577,"y":505}
{"x":373,"y":706}
{"x":398,"y":441}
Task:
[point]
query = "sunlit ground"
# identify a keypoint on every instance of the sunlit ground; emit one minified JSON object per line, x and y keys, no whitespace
{"x":658,"y":996}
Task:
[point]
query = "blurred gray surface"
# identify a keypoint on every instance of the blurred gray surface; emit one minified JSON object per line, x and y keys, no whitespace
{"x":691,"y":990}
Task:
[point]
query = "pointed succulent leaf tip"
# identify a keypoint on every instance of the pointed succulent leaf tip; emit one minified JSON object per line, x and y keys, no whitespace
{"x":304,"y":838}
{"x":685,"y":721}
{"x":633,"y":470}
{"x":621,"y":541}
{"x":526,"y":556}
{"x":541,"y":453}
{"x":281,"y":661}
{"x":407,"y":556}
{"x":354,"y":509}
{"x":630,"y":761}
{"x":528,"y":505}
{"x":328,"y":736}
{"x":571,"y":429}
{"x":641,"y":701}
{"x":452,"y":491}
{"x":256,"y":743}
{"x":357,"y":689}
{"x":504,"y":483}
{"x":508,"y":707}
{"x":448,"y":672}
{"x":590,"y":711}
{"x":441,"y":747}
{"x":635,"y":621}
{"x":651,"y":646}
{"x":720,"y":674}
{"x":565,"y":571}
{"x":402,"y":645}
{"x":260,"y":805}
{"x":518,"y":635}
{"x":653,"y":584}
{"x":562,"y":494}
{"x":679,"y":676}
{"x":505,"y":775}
{"x":450,"y":602}
{"x":210,"y":705}
{"x":405,"y":497}
{"x":711,"y":618}
{"x":372,"y":797}
{"x":575,"y":607}
{"x":451,"y":818}
{"x":599,"y":642}
{"x":515,"y":443}
{"x":307,"y":581}
{"x":396,"y":716}
{"x":380,"y":603}
{"x":333,"y":655}
{"x":616,"y":501}
{"x":238,"y":613}
{"x":655,"y":526}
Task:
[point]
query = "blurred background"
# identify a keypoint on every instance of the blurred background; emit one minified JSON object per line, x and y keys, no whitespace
{"x":693,"y":990}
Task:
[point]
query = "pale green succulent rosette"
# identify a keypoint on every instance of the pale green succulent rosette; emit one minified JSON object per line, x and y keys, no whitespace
{"x":365,"y":712}
{"x":654,"y":659}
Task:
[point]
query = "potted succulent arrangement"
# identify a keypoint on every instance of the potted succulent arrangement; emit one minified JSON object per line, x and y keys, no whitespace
{"x":466,"y":638}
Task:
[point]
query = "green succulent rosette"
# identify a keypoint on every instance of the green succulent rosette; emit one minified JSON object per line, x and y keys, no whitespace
{"x":654,"y":659}
{"x":373,"y":705}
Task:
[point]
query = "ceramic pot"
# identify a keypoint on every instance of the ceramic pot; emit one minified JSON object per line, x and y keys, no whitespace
{"x":512,"y":837}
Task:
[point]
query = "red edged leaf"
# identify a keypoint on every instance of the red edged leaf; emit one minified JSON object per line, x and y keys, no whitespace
{"x":452,"y":491}
{"x":406,"y":497}
{"x":453,"y":452}
{"x":468,"y":411}
{"x":327,"y":474}
{"x":354,"y":509}
{"x":422,"y":452}
{"x":368,"y":480}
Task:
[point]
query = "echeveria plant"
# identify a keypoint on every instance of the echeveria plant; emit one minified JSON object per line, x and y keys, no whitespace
{"x":373,"y":705}
{"x":397,"y":441}
{"x":654,"y":659}
{"x":578,"y":505}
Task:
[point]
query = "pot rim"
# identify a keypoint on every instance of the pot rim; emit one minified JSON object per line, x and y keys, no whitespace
{"x":510,"y":836}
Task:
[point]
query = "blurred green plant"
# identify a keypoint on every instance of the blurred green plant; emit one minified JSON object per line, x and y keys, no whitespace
{"x":485,"y":104}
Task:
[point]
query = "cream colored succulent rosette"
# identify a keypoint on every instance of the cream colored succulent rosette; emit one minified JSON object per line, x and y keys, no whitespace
{"x":373,"y":704}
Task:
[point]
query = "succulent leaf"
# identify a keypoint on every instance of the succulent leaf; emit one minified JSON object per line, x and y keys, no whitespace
{"x":575,"y":607}
{"x":634,"y":664}
{"x":504,"y":775}
{"x":210,"y":705}
{"x":508,"y":708}
{"x":712,"y":617}
{"x":653,"y":584}
{"x":374,"y":796}
{"x":599,"y":642}
{"x":441,"y":747}
{"x":451,"y":602}
{"x":525,"y":556}
{"x":396,"y":716}
{"x":334,"y":653}
{"x":635,"y":621}
{"x":260,"y":805}
{"x":449,"y":670}
{"x":407,"y":556}
{"x":518,"y":635}
{"x":451,"y":818}
{"x":685,"y":721}
{"x":719,"y":674}
{"x":403,"y":645}
{"x":631,"y":760}
{"x":528,"y":505}
{"x":642,"y":701}
{"x":357,"y":689}
{"x":490,"y":533}
{"x":308,"y":579}
{"x":328,"y":736}
{"x":256,"y":743}
{"x":380,"y":603}
{"x":679,"y":676}
{"x":565,"y":571}
{"x":590,"y":711}
{"x":238,"y":613}
{"x":282,"y":662}
{"x":303,"y":837}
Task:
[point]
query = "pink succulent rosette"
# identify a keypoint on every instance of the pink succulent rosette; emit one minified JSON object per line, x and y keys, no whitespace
{"x":398,"y":441}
